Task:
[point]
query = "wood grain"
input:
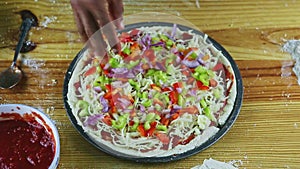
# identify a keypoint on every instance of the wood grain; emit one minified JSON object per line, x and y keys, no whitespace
{"x":266,"y":133}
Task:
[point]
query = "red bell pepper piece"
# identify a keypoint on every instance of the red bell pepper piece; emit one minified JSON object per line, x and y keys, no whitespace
{"x":166,"y":89}
{"x":142,"y":130}
{"x":155,"y":87}
{"x":173,"y":97}
{"x":201,"y":86}
{"x":186,"y":141}
{"x":165,"y":121}
{"x":177,"y":85}
{"x":108,"y":95}
{"x":107,"y":120}
{"x":152,"y":128}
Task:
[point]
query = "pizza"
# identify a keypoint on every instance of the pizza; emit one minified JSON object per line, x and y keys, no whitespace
{"x":165,"y":92}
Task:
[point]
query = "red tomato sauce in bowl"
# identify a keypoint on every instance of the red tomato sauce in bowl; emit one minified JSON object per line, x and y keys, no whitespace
{"x":26,"y":142}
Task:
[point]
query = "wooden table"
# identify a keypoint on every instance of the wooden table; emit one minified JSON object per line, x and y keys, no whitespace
{"x":267,"y":131}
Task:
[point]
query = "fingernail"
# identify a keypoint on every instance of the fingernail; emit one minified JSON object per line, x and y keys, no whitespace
{"x":122,"y":25}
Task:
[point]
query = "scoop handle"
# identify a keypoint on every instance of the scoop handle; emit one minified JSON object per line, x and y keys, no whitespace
{"x":25,"y":27}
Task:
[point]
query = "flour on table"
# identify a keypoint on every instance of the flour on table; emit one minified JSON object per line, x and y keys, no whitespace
{"x":214,"y":164}
{"x":48,"y":20}
{"x":293,"y":47}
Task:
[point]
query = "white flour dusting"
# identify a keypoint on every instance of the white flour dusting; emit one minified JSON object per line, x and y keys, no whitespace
{"x":33,"y":64}
{"x":48,"y":20}
{"x":293,"y":47}
{"x":214,"y":164}
{"x":286,"y":70}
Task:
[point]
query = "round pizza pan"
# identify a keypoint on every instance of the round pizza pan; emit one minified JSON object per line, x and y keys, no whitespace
{"x":222,"y":129}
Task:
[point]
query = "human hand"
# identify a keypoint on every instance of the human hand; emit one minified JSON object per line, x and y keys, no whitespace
{"x":92,"y":15}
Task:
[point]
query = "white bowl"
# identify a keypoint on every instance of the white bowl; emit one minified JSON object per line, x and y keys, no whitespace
{"x":41,"y":118}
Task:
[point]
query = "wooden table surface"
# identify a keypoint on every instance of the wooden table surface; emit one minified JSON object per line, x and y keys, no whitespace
{"x":267,"y":131}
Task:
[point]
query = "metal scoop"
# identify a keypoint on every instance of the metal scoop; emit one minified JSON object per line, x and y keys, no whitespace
{"x":13,"y":75}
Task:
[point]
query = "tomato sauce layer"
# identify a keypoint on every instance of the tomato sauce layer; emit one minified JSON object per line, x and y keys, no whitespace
{"x":25,"y":143}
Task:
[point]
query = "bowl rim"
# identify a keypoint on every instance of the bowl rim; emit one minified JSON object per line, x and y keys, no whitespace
{"x":48,"y":121}
{"x":212,"y":140}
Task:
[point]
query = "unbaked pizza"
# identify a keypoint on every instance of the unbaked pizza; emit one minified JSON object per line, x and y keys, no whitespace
{"x":165,"y":92}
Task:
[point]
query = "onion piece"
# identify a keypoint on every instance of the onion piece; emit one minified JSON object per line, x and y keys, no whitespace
{"x":142,"y":108}
{"x":199,"y":59}
{"x":92,"y":120}
{"x":158,"y":44}
{"x":124,"y":102}
{"x":174,"y":50}
{"x":179,"y":90}
{"x":97,"y":89}
{"x":191,"y":64}
{"x":122,"y":70}
{"x":122,"y":73}
{"x":160,"y":66}
{"x":173,"y":33}
{"x":137,"y":69}
{"x":104,"y":104}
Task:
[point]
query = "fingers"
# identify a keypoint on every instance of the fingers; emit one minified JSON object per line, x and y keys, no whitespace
{"x":107,"y":27}
{"x":80,"y":28}
{"x":96,"y":44}
{"x":75,"y":7}
{"x":90,"y":26}
{"x":111,"y":35}
{"x":94,"y":40}
{"x":100,"y":16}
{"x":116,"y":10}
{"x":86,"y":22}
